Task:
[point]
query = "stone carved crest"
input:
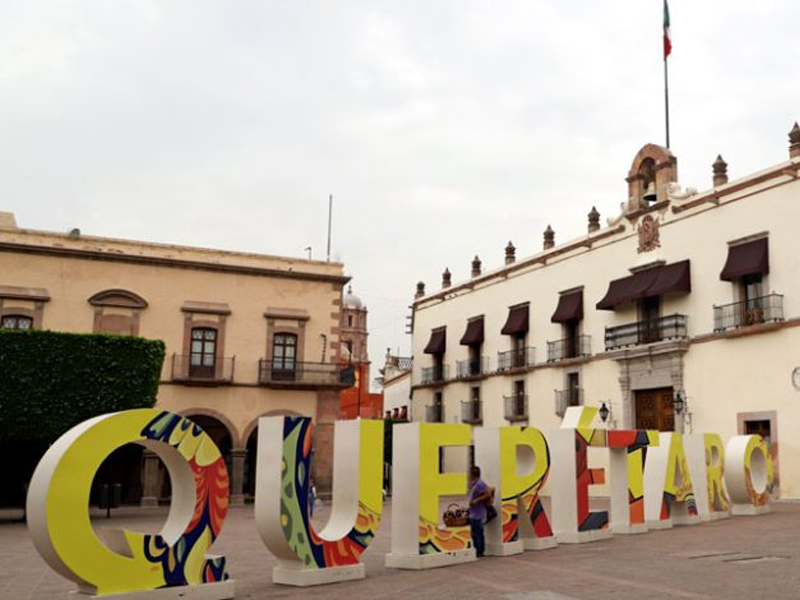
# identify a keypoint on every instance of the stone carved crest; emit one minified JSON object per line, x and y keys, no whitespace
{"x":649,"y":235}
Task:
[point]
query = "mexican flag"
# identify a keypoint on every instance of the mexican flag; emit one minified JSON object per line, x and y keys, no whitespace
{"x":667,"y":35}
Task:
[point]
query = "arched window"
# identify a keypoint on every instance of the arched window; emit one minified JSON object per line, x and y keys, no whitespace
{"x":203,"y":352}
{"x":349,"y":320}
{"x":16,"y":322}
{"x":284,"y":356}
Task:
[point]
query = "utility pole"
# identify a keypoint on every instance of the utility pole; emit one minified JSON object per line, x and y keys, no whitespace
{"x":330,"y":218}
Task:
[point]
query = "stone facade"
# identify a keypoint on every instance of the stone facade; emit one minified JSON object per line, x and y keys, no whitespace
{"x":275,"y":326}
{"x":688,"y":300}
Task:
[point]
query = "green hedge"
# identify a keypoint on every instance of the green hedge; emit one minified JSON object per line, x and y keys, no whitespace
{"x":51,"y":381}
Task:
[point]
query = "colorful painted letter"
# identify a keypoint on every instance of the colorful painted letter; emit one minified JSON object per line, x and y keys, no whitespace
{"x":58,"y":500}
{"x":418,"y":541}
{"x":282,"y":498}
{"x":749,"y":474}
{"x":520,"y":492}
{"x":627,"y":451}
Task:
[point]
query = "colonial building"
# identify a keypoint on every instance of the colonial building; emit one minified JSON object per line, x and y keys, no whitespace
{"x":247,"y":335}
{"x":396,"y":384}
{"x":681,"y":313}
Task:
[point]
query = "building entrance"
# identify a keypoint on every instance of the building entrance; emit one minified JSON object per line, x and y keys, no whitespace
{"x":654,"y":409}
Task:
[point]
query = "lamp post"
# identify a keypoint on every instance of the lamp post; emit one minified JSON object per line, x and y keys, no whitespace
{"x":604,"y":412}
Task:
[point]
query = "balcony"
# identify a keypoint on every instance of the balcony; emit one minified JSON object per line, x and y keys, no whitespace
{"x":305,"y":375}
{"x":672,"y":327}
{"x":515,"y":359}
{"x":567,"y":398}
{"x":516,"y":407}
{"x":202,"y":369}
{"x":435,"y":374}
{"x":577,"y":347}
{"x":472,"y":368}
{"x":434,"y":413}
{"x":472,"y":412}
{"x":766,"y":309}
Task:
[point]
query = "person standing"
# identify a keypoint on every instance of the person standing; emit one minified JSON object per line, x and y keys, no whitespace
{"x":479,"y":496}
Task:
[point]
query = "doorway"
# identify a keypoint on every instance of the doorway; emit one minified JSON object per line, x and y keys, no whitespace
{"x":654,"y":409}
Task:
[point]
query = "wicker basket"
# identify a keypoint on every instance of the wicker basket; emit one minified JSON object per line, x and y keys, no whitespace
{"x":456,"y":516}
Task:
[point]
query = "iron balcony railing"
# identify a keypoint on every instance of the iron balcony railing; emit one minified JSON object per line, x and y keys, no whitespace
{"x":574,"y":347}
{"x":516,"y":407}
{"x":472,"y":368}
{"x":515,"y":359}
{"x":434,"y":413}
{"x":202,"y":368}
{"x":766,"y":309}
{"x":672,"y":327}
{"x":471,"y":412}
{"x":435,"y":373}
{"x":305,"y":374}
{"x":567,"y":398}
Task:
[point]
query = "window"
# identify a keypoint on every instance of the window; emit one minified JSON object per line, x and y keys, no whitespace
{"x":574,"y":387}
{"x":571,"y":338}
{"x":349,"y":320}
{"x":284,"y":356}
{"x":203,"y":352}
{"x":16,"y":322}
{"x":649,"y":314}
{"x":349,"y":345}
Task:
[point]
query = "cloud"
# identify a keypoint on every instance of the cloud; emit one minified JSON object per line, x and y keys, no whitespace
{"x":444,"y":129}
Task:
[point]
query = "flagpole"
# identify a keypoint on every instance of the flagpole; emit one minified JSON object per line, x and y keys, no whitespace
{"x":666,"y":97}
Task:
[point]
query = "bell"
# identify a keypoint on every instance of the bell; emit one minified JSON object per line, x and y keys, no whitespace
{"x":650,"y":193}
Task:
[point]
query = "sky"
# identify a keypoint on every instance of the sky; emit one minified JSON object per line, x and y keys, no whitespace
{"x":443,"y":129}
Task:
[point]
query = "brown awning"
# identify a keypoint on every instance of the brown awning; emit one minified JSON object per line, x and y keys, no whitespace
{"x":671,"y":278}
{"x":646,"y":284}
{"x":517,"y":322}
{"x":438,"y":342}
{"x":570,"y":308}
{"x":747,"y":259}
{"x":474,"y":333}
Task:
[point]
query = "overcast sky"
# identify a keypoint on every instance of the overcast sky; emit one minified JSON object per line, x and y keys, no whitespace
{"x":443,"y":129}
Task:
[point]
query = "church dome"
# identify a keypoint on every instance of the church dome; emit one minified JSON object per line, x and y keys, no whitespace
{"x":351,"y":300}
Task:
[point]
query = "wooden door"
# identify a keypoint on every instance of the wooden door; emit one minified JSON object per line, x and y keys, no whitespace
{"x":654,"y":409}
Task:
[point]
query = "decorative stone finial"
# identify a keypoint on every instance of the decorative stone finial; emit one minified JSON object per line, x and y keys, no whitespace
{"x":720,"y":168}
{"x":420,"y":289}
{"x":594,"y":220}
{"x":476,"y":266}
{"x":511,"y":253}
{"x":446,"y":279}
{"x":794,"y":141}
{"x":549,"y":238}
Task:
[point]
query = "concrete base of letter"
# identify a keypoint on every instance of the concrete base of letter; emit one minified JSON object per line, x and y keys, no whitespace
{"x":748,"y":510}
{"x":309,"y":577}
{"x":418,"y":562}
{"x":582,"y":537}
{"x":628,"y":529}
{"x":221,"y":590}
{"x":507,"y":549}
{"x":717,"y":515}
{"x":544,"y":543}
{"x":665,"y":524}
{"x":686,"y":520}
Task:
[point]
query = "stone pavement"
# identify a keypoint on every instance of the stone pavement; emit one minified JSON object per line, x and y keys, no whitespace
{"x":744,"y":557}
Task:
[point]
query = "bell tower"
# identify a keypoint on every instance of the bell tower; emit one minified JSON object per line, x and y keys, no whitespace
{"x":353,"y":329}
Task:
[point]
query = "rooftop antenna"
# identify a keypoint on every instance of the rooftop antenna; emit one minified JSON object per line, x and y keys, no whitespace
{"x":330,"y":216}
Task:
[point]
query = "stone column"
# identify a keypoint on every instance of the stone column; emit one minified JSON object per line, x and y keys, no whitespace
{"x":151,"y":488}
{"x":238,"y":456}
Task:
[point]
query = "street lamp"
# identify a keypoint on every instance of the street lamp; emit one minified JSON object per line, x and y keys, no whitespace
{"x":679,"y":402}
{"x":604,"y":412}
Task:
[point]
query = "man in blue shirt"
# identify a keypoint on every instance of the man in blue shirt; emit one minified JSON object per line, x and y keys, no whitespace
{"x":479,"y":496}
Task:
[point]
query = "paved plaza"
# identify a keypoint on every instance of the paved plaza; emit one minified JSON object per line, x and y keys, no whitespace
{"x":745,"y":557}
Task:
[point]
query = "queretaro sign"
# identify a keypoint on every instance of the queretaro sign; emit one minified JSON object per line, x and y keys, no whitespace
{"x":654,"y":480}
